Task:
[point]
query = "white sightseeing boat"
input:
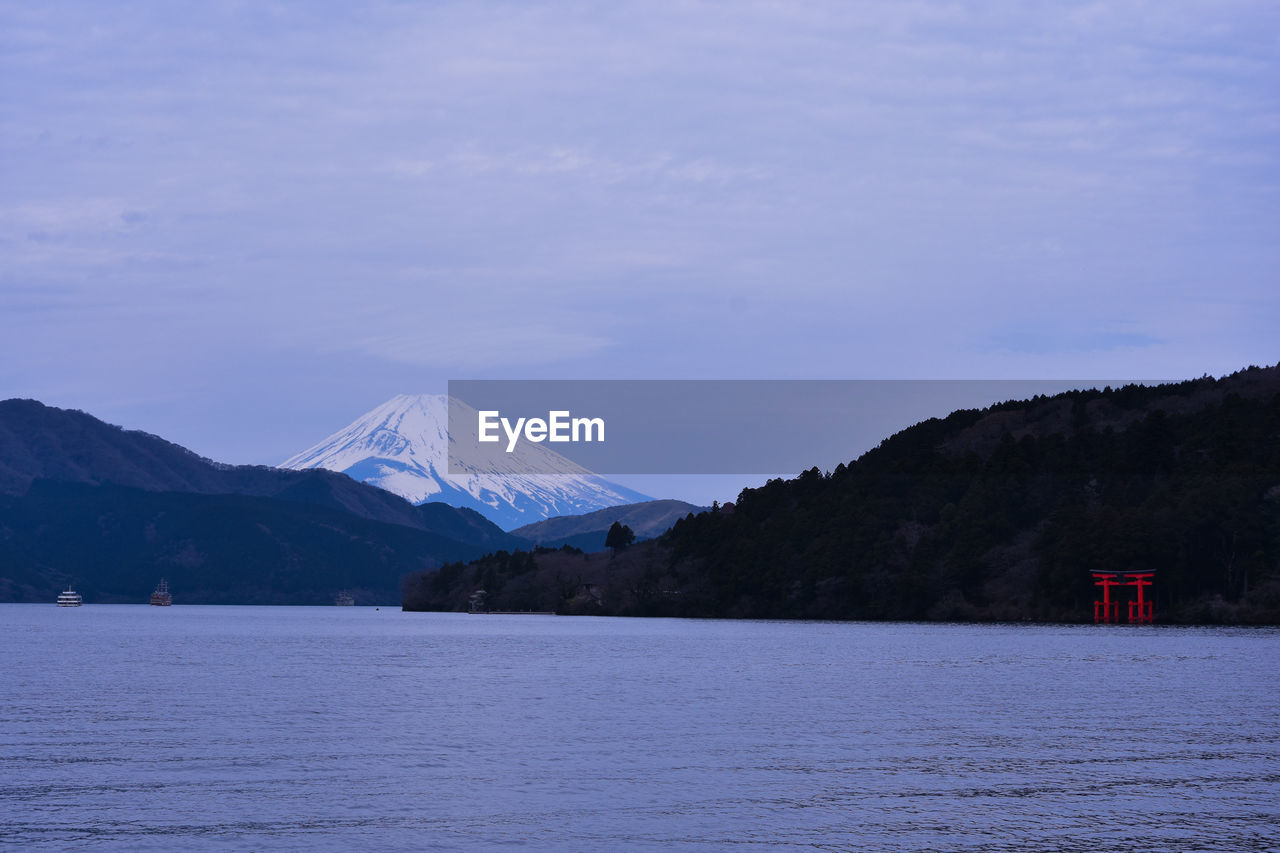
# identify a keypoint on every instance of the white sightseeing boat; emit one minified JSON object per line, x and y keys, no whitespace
{"x":70,"y":598}
{"x":161,"y":597}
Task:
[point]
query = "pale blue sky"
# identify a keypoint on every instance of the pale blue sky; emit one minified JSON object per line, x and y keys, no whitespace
{"x":241,"y":225}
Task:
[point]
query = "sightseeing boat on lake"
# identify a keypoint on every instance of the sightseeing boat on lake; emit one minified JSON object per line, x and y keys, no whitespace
{"x":161,"y":597}
{"x":70,"y":598}
{"x":344,"y":599}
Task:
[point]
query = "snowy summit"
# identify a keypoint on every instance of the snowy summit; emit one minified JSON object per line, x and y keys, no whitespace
{"x":402,"y":446}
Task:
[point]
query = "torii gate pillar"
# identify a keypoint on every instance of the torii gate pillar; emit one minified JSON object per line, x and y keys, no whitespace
{"x":1106,"y":611}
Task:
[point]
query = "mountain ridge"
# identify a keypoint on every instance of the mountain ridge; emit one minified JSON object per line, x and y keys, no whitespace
{"x":69,"y":445}
{"x":111,"y":509}
{"x":587,"y":532}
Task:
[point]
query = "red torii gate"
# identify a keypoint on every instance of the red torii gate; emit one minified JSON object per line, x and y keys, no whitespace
{"x":1106,"y":611}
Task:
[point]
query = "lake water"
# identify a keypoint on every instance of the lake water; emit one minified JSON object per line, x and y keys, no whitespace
{"x":264,"y":728}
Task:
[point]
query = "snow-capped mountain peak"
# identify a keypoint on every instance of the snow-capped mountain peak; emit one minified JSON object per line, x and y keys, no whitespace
{"x":402,"y":446}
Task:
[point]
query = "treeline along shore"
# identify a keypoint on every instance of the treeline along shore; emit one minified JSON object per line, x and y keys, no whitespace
{"x":993,"y":514}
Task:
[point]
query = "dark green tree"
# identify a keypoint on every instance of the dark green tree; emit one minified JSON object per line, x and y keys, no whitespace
{"x":619,"y":537}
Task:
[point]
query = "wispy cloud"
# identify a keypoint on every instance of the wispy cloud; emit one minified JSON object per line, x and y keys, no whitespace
{"x":762,"y":189}
{"x":1062,"y":341}
{"x":474,"y":161}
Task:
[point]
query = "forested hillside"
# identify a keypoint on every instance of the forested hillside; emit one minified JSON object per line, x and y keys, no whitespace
{"x":1000,"y":514}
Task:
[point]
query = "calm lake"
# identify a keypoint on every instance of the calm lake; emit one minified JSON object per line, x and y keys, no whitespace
{"x":340,"y":728}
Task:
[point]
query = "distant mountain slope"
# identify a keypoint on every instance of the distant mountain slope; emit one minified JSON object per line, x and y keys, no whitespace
{"x":39,"y":441}
{"x":646,"y":519}
{"x":113,"y":543}
{"x":43,"y":442}
{"x":402,"y":446}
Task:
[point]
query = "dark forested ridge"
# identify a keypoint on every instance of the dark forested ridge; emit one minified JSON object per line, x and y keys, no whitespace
{"x":63,"y":445}
{"x":113,"y":543}
{"x":984,"y":514}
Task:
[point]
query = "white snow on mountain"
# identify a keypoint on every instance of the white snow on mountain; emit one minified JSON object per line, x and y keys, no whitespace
{"x":402,"y":446}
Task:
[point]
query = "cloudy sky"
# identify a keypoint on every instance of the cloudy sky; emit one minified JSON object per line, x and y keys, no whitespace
{"x":241,"y":225}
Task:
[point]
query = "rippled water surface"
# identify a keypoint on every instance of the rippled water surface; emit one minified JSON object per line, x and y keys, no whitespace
{"x":227,"y":728}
